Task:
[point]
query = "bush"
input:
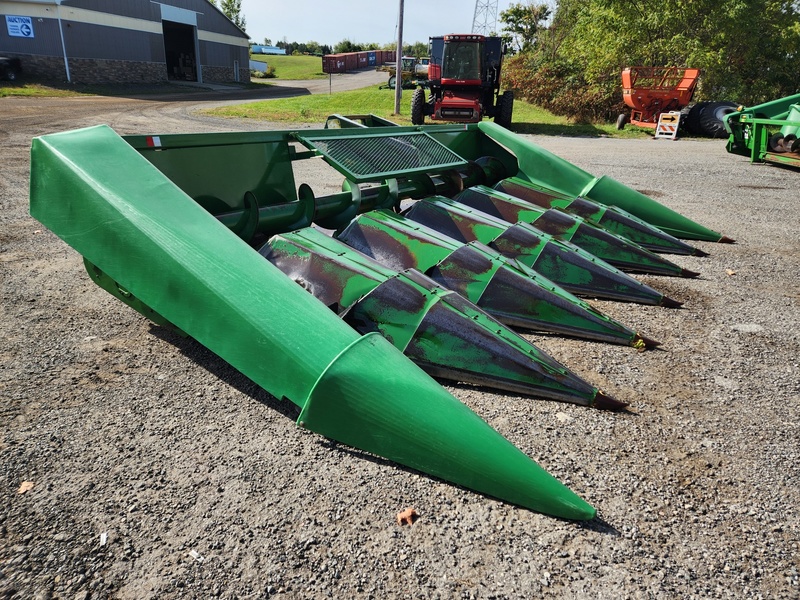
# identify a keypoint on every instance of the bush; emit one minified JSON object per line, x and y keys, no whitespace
{"x":268,"y":74}
{"x":563,"y":90}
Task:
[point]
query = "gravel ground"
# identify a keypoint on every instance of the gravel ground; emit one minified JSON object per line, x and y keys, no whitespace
{"x":160,"y":472}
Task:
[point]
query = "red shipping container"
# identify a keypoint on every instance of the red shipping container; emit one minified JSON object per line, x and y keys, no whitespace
{"x":351,"y":61}
{"x":390,"y":56}
{"x":333,"y":63}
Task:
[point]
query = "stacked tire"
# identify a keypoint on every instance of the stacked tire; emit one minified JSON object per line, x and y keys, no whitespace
{"x":705,"y":119}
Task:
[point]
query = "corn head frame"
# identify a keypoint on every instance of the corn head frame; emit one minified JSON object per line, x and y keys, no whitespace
{"x":208,"y":234}
{"x":767,"y":132}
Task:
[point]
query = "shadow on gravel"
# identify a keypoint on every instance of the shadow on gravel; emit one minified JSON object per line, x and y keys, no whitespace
{"x":600,"y":526}
{"x":578,"y":130}
{"x":212,"y":363}
{"x":597,"y":524}
{"x":209,"y":361}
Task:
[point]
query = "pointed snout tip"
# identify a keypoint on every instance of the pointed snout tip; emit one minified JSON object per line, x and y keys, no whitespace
{"x":668,"y":302}
{"x":605,"y":402}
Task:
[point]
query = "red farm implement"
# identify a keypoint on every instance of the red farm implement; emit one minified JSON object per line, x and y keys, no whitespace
{"x":650,"y":91}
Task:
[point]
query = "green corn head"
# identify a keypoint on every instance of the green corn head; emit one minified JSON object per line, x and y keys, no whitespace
{"x":767,"y":132}
{"x":171,"y":224}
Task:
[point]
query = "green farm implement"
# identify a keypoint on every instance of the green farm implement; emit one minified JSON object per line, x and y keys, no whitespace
{"x":413,"y":72}
{"x":768,"y":132}
{"x":211,"y":235}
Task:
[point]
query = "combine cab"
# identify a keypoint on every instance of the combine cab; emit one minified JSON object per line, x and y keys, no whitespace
{"x":464,"y":82}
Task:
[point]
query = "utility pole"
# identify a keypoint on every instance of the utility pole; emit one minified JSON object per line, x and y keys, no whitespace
{"x":485,"y":20}
{"x":398,"y":80}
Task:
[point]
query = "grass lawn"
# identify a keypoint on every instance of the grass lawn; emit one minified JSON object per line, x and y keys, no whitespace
{"x":316,"y":108}
{"x":293,"y":67}
{"x":32,"y":88}
{"x":17,"y":88}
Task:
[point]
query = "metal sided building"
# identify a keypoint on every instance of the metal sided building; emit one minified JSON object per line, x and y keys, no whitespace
{"x":130,"y":41}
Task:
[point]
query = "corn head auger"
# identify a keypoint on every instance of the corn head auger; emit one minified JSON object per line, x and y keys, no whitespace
{"x":207,"y":233}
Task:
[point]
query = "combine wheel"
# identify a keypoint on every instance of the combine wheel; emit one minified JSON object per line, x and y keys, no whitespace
{"x":418,"y":107}
{"x":711,"y":118}
{"x":504,"y":109}
{"x":392,"y":81}
{"x":621,"y":120}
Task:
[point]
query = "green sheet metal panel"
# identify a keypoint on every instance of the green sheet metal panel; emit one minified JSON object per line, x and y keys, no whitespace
{"x":539,"y":165}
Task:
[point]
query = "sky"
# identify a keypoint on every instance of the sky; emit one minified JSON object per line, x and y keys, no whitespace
{"x":360,"y":21}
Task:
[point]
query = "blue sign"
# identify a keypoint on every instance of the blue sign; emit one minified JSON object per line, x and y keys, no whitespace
{"x":19,"y":26}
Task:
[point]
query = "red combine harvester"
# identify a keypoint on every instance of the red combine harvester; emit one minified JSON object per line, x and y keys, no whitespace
{"x":464,"y":80}
{"x":650,"y":91}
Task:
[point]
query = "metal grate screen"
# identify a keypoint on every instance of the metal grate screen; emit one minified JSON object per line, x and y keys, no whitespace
{"x":373,"y":157}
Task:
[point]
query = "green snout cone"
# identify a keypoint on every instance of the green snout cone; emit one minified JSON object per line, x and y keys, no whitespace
{"x":410,"y":419}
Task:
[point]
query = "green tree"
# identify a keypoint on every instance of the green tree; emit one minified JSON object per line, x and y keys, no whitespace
{"x":233,"y":10}
{"x":313,"y":47}
{"x":346,"y":46}
{"x":521,"y":24}
{"x":747,"y":51}
{"x":417,"y":49}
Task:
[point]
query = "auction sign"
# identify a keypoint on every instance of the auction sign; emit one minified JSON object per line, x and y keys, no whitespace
{"x":19,"y":26}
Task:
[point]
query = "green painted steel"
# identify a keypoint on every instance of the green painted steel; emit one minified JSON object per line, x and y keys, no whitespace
{"x":244,"y":179}
{"x":167,"y":224}
{"x":538,"y":165}
{"x":139,"y":229}
{"x":611,"y":219}
{"x":445,"y":334}
{"x":509,"y":291}
{"x":124,"y":296}
{"x":564,"y":263}
{"x":415,"y":422}
{"x":103,"y":199}
{"x":759,"y":131}
{"x":616,"y":251}
{"x":225,"y":172}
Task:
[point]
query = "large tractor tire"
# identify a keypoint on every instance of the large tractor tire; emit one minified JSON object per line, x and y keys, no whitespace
{"x":711,"y":118}
{"x":418,"y":107}
{"x":684,"y":117}
{"x":692,"y":122}
{"x":392,"y":81}
{"x":504,"y":109}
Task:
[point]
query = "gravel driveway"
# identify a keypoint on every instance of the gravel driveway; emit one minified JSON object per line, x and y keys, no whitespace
{"x":158,"y":471}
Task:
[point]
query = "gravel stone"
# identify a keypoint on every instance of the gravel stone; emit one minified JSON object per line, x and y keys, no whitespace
{"x":130,"y":431}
